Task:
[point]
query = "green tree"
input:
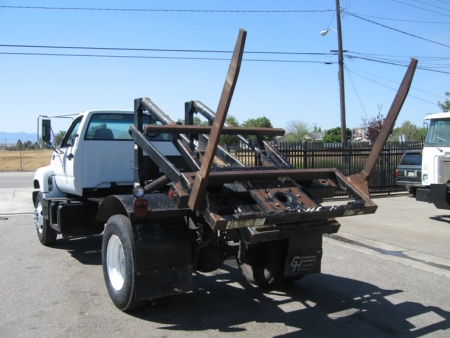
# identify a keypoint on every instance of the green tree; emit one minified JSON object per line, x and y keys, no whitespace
{"x":445,"y":106}
{"x":260,"y":122}
{"x":199,"y":122}
{"x":296,"y":131}
{"x":411,"y":132}
{"x":334,"y":135}
{"x":421,"y":134}
{"x":230,"y":140}
{"x":27,"y":144}
{"x":317,"y":129}
{"x":19,"y":145}
{"x":59,"y":137}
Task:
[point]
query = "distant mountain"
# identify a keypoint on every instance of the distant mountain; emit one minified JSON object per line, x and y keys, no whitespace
{"x":12,"y":138}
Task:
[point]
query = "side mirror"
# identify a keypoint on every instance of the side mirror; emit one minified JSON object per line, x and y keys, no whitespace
{"x":46,"y":130}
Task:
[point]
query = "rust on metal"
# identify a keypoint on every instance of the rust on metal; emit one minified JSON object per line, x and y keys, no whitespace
{"x":252,"y":174}
{"x":227,"y":130}
{"x":201,"y":180}
{"x":272,"y":198}
{"x":389,"y":122}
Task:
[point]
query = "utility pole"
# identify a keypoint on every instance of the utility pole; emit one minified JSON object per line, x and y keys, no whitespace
{"x":341,"y":74}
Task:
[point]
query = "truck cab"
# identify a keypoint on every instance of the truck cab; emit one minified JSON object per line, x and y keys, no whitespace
{"x":95,"y":157}
{"x":436,"y":161}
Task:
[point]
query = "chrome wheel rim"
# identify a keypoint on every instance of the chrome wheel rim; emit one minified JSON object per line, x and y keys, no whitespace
{"x":39,"y":219}
{"x":115,"y":262}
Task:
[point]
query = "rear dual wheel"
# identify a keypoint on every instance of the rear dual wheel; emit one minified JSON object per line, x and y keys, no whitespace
{"x":118,"y":259}
{"x":264,"y":265}
{"x":118,"y":263}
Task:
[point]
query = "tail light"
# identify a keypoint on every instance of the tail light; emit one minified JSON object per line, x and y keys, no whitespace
{"x":396,"y":172}
{"x":140,"y":207}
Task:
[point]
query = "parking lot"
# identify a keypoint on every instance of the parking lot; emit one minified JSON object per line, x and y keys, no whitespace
{"x":383,"y":275}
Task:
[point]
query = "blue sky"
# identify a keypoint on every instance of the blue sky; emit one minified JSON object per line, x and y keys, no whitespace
{"x":306,"y":89}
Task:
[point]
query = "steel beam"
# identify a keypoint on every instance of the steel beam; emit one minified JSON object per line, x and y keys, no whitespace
{"x":201,"y":179}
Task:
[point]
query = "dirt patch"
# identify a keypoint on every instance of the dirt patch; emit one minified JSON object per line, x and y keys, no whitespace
{"x":25,"y":160}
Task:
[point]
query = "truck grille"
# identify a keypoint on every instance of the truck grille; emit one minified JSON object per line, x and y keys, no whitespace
{"x":444,"y":169}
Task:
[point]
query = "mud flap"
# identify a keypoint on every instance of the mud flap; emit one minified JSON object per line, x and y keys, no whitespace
{"x":304,"y":256}
{"x":163,"y":257}
{"x":440,"y":196}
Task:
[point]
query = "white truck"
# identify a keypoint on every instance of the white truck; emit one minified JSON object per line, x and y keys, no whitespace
{"x":95,"y":159}
{"x":436,"y":162}
{"x":170,"y":201}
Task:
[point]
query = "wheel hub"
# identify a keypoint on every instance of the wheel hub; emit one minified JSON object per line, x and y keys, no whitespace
{"x":38,"y":218}
{"x":115,"y":262}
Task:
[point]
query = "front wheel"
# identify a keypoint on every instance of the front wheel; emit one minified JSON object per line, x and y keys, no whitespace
{"x":118,"y":259}
{"x":46,"y":235}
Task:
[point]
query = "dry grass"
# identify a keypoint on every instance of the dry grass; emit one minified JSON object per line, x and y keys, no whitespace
{"x":25,"y":160}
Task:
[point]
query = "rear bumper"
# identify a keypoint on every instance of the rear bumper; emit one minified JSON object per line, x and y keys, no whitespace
{"x":438,"y":194}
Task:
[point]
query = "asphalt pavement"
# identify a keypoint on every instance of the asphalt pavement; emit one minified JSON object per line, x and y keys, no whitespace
{"x":402,"y":230}
{"x":15,"y":192}
{"x":383,"y":275}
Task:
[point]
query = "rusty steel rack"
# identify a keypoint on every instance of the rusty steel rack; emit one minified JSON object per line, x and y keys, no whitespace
{"x":267,"y":198}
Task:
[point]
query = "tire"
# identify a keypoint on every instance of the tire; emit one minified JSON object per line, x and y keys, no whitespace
{"x":46,"y":235}
{"x":266,"y":268}
{"x":118,"y":259}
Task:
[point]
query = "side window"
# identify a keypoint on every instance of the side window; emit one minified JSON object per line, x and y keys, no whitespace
{"x":109,"y":127}
{"x":71,"y":134}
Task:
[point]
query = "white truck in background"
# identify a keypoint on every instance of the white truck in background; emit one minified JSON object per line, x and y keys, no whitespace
{"x":436,"y":162}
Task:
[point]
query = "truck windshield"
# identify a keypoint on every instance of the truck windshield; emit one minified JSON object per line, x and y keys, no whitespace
{"x":438,"y":133}
{"x":106,"y":126}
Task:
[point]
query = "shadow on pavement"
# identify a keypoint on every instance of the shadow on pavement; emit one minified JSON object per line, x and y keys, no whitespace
{"x":317,"y":306}
{"x":441,"y":218}
{"x":87,"y":250}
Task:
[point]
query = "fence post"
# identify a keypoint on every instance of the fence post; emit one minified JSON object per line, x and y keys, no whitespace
{"x":305,"y":158}
{"x":389,"y":169}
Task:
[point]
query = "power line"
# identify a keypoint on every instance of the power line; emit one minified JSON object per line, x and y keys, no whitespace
{"x":214,"y":59}
{"x":397,"y":64}
{"x":379,"y":56}
{"x":170,"y":10}
{"x":430,"y":62}
{"x":402,"y":20}
{"x":403,"y":56}
{"x":396,"y":82}
{"x":445,"y":9}
{"x":159,"y":57}
{"x":356,"y":91}
{"x":394,"y":89}
{"x":428,"y":10}
{"x":397,"y":30}
{"x":160,"y":50}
